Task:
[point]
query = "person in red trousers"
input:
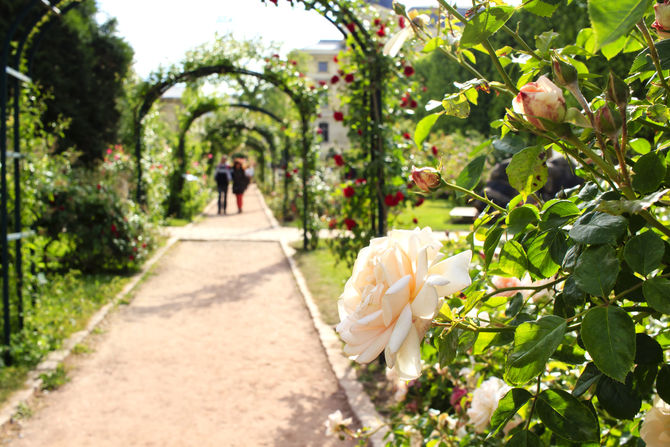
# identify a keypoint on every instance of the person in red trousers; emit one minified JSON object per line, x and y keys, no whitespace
{"x":240,"y":183}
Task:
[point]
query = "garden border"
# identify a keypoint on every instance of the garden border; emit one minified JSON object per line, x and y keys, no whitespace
{"x":33,"y":383}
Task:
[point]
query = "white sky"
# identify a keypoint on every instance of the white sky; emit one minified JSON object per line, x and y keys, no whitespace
{"x":161,"y":31}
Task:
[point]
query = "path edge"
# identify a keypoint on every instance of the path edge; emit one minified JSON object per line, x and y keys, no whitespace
{"x":357,"y":398}
{"x":33,"y":382}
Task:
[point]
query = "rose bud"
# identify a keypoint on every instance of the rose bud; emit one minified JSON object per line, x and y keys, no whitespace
{"x":564,"y":73}
{"x":540,"y":99}
{"x":427,"y":179}
{"x":662,"y":23}
{"x":608,"y":121}
{"x":617,"y":91}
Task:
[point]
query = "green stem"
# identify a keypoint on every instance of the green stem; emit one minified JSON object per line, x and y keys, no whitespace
{"x":654,"y":55}
{"x":521,"y":42}
{"x":602,"y":164}
{"x":473,"y":195}
{"x":622,"y":162}
{"x":512,"y":289}
{"x":501,"y":70}
{"x":655,"y":223}
{"x":532,"y":407}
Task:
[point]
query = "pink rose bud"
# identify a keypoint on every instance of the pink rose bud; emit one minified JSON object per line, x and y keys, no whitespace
{"x":540,"y":99}
{"x":662,"y":23}
{"x":426,"y":179}
{"x":564,"y":73}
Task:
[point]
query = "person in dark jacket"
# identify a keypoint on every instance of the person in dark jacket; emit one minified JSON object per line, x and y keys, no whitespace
{"x":240,"y":183}
{"x":223,"y":176}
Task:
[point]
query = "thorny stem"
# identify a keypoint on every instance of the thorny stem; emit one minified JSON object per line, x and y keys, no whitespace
{"x":473,"y":195}
{"x":622,"y":162}
{"x":654,"y":55}
{"x":515,"y":288}
{"x":602,"y":164}
{"x":521,"y":42}
{"x":532,"y":407}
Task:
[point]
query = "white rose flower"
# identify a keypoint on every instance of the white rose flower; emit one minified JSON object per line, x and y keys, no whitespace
{"x":335,"y":423}
{"x":392,"y":295}
{"x":396,"y":41}
{"x":655,"y":430}
{"x":485,"y":401}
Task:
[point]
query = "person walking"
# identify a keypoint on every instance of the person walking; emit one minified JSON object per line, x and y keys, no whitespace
{"x":240,"y":183}
{"x":223,"y":176}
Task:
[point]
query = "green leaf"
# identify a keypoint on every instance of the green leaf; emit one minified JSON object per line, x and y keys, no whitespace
{"x":490,"y":243}
{"x":534,"y":342}
{"x":456,"y":105}
{"x":527,"y":171}
{"x":519,"y":218}
{"x":525,"y":438}
{"x":647,"y":350}
{"x":611,"y":20}
{"x":613,"y":48}
{"x":640,"y":145}
{"x":542,"y":8}
{"x":469,"y":176}
{"x":608,"y":334}
{"x":546,"y":252}
{"x":663,"y":383}
{"x":558,"y":213}
{"x":589,"y":376}
{"x":423,"y":128}
{"x":644,"y":252}
{"x":657,"y":293}
{"x":566,"y":416}
{"x":432,"y":45}
{"x":509,"y":145}
{"x":447,"y":347}
{"x":598,"y":228}
{"x":508,"y":406}
{"x":649,"y":173}
{"x":596,"y":270}
{"x":513,"y":259}
{"x":644,"y":376}
{"x":618,"y":399}
{"x":618,"y":207}
{"x":484,"y":24}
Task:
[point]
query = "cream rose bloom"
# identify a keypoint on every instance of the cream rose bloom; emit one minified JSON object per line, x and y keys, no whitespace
{"x":655,"y":430}
{"x":485,"y":401}
{"x":336,"y":423}
{"x":393,"y":294}
{"x":540,"y":99}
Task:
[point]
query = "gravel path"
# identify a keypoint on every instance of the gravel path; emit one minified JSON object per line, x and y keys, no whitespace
{"x":216,"y":349}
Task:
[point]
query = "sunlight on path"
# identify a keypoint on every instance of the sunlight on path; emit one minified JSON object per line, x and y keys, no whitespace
{"x":216,"y":349}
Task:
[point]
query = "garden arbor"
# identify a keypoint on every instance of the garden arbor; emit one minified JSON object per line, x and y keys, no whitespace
{"x":35,"y":17}
{"x":304,"y":100}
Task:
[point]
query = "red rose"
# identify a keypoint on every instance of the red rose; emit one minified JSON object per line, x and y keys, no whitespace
{"x":322,"y":83}
{"x":413,"y":104}
{"x":274,"y":1}
{"x":359,"y":132}
{"x":349,"y":192}
{"x":377,"y":22}
{"x":335,"y":79}
{"x":332,"y":223}
{"x":401,"y":22}
{"x":131,"y":257}
{"x":415,"y":221}
{"x":295,"y":171}
{"x":350,"y":223}
{"x":288,"y":174}
{"x":98,"y":186}
{"x":349,"y":78}
{"x":434,"y":150}
{"x":338,"y":116}
{"x":409,"y":70}
{"x":339,"y":161}
{"x":381,"y":32}
{"x":113,"y":228}
{"x":389,"y":200}
{"x":144,"y":245}
{"x":407,"y":136}
{"x":335,"y":59}
{"x":399,"y":197}
{"x":351,"y":27}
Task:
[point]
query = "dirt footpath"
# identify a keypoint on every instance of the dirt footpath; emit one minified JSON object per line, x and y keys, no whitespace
{"x":216,"y":349}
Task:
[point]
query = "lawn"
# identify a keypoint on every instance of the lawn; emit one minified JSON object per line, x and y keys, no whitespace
{"x":433,"y":213}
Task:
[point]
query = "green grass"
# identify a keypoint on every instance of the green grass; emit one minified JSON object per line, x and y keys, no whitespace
{"x":176,"y":222}
{"x":325,"y":279}
{"x":64,"y":306}
{"x":432,"y":213}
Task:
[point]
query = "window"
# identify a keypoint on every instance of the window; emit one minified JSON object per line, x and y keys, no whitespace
{"x":323,"y":67}
{"x":323,"y":127}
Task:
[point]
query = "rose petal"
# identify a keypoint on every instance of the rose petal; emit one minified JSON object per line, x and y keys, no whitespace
{"x":401,"y":329}
{"x":425,"y":303}
{"x":408,"y":358}
{"x":396,"y":297}
{"x":455,"y":269}
{"x":375,"y":347}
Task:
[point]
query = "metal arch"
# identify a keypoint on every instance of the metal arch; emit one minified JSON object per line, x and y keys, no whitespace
{"x":158,"y":89}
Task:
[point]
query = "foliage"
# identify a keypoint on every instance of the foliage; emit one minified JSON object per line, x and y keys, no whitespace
{"x":568,"y":302}
{"x":80,"y":67}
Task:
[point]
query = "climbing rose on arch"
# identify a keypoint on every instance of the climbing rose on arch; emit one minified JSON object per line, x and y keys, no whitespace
{"x":393,"y":294}
{"x":349,"y":192}
{"x":339,"y":161}
{"x":338,"y":116}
